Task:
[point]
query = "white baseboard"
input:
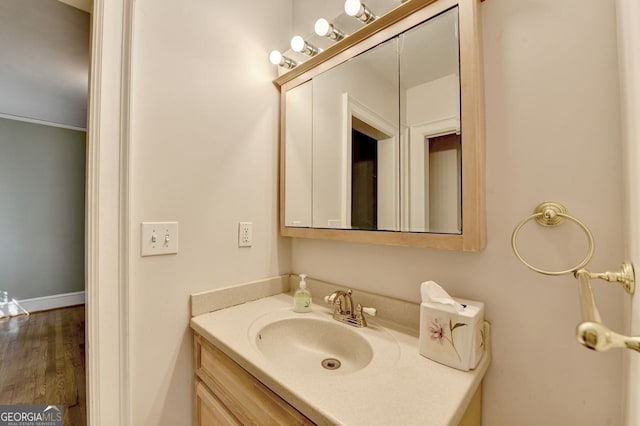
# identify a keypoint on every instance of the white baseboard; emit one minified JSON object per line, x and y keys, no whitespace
{"x":53,"y":302}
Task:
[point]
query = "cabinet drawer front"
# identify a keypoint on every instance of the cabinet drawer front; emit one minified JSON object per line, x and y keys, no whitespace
{"x":210,"y":411}
{"x":247,"y":398}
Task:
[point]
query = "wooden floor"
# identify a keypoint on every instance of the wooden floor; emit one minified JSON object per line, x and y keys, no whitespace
{"x":42,"y":361}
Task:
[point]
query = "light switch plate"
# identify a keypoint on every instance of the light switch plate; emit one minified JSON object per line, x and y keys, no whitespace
{"x":159,"y":238}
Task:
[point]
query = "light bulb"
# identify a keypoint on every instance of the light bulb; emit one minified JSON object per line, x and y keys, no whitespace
{"x":275,"y":57}
{"x":322,"y":27}
{"x":325,"y":29}
{"x":352,"y":7}
{"x":359,"y":10}
{"x":297,"y":44}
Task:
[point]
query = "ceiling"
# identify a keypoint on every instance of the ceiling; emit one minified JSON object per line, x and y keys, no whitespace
{"x":44,"y":60}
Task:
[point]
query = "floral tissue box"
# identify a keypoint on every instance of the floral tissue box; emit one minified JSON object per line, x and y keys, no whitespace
{"x":451,"y":337}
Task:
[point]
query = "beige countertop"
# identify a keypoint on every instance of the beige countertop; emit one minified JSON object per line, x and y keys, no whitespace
{"x":404,"y":388}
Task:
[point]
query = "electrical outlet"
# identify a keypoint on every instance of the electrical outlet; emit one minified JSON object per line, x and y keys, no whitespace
{"x":159,"y":238}
{"x":245,"y":234}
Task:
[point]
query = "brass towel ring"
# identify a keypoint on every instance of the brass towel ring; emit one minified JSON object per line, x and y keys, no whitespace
{"x":552,"y":214}
{"x":590,"y":332}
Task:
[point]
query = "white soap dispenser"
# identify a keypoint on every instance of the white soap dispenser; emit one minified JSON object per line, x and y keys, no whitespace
{"x":302,"y":297}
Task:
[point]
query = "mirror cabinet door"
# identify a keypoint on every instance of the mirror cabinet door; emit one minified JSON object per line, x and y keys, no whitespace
{"x":297,"y":178}
{"x":356,"y":144}
{"x":430,"y":117}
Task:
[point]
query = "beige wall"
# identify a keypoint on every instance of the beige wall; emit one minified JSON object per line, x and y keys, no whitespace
{"x":204,"y":153}
{"x":552,"y":133}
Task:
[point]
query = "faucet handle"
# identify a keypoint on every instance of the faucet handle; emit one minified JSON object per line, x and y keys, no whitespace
{"x":336,"y":303}
{"x":359,"y":318}
{"x":363,"y":309}
{"x":332,"y":300}
{"x":370,"y":311}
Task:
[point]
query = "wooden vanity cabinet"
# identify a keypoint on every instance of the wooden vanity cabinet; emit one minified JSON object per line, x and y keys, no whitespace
{"x":226,"y":394}
{"x":209,"y":410}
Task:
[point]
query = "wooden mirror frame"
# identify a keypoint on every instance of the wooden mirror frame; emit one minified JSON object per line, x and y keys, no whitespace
{"x":397,"y":21}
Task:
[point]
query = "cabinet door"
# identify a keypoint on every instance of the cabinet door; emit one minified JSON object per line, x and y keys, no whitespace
{"x":209,"y":410}
{"x":246,"y":398}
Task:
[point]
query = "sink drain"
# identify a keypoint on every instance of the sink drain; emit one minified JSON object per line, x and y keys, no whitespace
{"x":331,"y":363}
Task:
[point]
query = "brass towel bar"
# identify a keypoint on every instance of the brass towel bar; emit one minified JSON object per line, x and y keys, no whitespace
{"x":590,"y":332}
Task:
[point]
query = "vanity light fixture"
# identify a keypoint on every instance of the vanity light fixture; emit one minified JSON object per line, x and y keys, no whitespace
{"x":276,"y":58}
{"x":359,"y":10}
{"x":298,"y":44}
{"x":325,"y":29}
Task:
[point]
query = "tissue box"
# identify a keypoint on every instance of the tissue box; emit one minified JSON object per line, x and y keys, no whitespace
{"x":450,"y":337}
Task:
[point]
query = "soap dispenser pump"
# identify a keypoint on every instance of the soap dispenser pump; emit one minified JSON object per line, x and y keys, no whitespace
{"x":302,"y":297}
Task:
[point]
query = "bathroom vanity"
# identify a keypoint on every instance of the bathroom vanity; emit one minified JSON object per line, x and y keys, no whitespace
{"x":254,"y":363}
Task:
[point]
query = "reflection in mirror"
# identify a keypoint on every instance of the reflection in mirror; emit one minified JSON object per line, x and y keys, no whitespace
{"x":297,"y":179}
{"x":355,"y":143}
{"x":430,"y":117}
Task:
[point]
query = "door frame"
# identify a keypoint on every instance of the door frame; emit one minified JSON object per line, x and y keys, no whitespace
{"x":107,"y":214}
{"x":628,"y":28}
{"x":352,"y":107}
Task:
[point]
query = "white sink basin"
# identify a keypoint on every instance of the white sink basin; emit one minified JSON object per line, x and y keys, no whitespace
{"x":318,"y":345}
{"x":305,"y":343}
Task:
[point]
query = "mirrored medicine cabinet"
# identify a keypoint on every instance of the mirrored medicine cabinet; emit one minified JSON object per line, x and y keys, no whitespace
{"x":382,"y":134}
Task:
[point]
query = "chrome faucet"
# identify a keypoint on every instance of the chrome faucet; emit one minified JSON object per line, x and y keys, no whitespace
{"x":343,"y":309}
